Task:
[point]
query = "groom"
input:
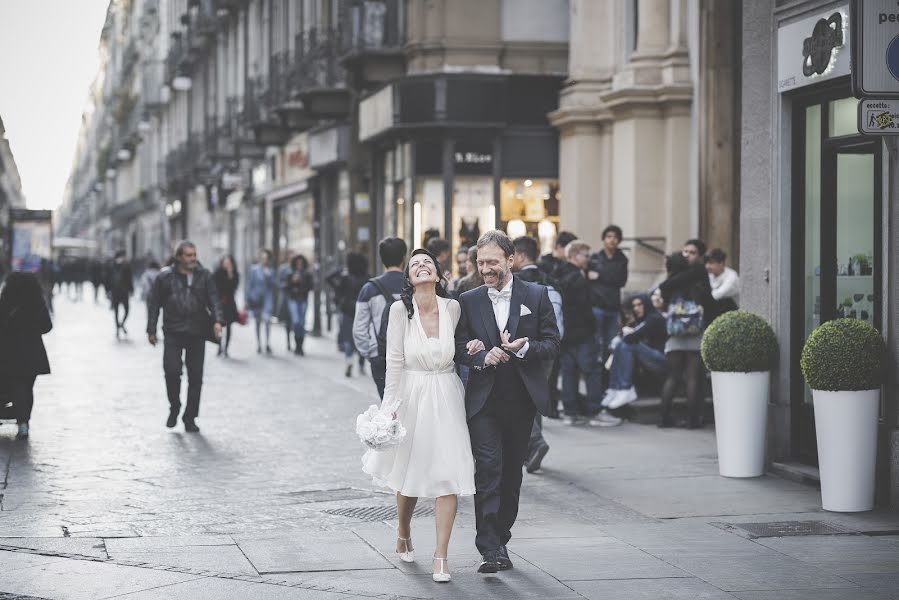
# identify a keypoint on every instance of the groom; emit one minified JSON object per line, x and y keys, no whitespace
{"x":515,"y":322}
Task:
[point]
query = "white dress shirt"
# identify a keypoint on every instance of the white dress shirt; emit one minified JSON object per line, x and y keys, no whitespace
{"x":501,"y":307}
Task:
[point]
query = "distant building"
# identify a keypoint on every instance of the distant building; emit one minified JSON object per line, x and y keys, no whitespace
{"x":10,"y":192}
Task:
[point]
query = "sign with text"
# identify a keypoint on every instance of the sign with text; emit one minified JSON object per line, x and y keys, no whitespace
{"x":875,"y":53}
{"x":813,"y":49}
{"x":878,"y":117}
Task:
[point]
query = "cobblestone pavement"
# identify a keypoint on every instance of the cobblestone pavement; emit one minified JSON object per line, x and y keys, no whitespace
{"x":269,"y":500}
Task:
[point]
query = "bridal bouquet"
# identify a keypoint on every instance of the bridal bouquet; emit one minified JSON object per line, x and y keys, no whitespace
{"x":377,"y":430}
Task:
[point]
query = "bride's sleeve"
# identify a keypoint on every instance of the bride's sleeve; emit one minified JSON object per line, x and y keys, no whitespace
{"x":396,"y":334}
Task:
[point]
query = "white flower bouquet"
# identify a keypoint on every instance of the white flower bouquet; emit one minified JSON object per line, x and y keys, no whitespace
{"x":378,"y":430}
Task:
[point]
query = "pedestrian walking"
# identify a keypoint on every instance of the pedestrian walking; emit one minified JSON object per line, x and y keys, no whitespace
{"x":506,"y":388}
{"x":259,"y":296}
{"x":283,"y":312}
{"x":347,"y":284}
{"x":473,"y":279}
{"x":607,"y":274}
{"x":687,"y":293}
{"x":120,"y":287}
{"x":641,"y":343}
{"x":97,"y":278}
{"x":375,"y":297}
{"x":524,"y":265}
{"x":423,"y":392}
{"x":147,"y":278}
{"x":24,"y":318}
{"x":549,"y":263}
{"x":227,"y":280}
{"x":580,"y":350}
{"x":191,"y":316}
{"x":299,"y":284}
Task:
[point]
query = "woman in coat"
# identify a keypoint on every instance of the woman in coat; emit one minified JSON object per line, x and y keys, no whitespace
{"x":24,"y":318}
{"x":259,"y":295}
{"x":347,"y":285}
{"x":299,"y":284}
{"x":226,"y":281}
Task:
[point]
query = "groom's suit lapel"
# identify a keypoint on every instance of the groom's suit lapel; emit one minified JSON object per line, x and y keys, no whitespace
{"x":518,"y":295}
{"x":487,"y":316}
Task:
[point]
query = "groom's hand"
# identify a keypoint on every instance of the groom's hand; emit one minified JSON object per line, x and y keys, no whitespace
{"x":495,"y":357}
{"x":511,"y":346}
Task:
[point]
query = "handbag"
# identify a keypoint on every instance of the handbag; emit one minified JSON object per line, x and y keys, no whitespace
{"x":685,"y":318}
{"x":243,"y":316}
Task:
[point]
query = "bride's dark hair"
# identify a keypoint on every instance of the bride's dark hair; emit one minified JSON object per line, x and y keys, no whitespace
{"x":409,"y":289}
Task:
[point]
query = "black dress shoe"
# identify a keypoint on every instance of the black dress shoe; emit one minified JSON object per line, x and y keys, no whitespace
{"x":536,"y":458}
{"x":172,"y":420}
{"x":191,"y":427}
{"x":489,"y":562}
{"x":502,"y":558}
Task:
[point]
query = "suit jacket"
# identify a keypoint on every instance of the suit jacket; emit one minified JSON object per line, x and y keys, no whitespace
{"x":479,"y":322}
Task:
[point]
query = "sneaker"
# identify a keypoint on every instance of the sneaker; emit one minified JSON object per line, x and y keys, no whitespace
{"x":609,"y":397}
{"x":623,"y":397}
{"x":23,"y":431}
{"x":604,"y":419}
{"x":569,"y":421}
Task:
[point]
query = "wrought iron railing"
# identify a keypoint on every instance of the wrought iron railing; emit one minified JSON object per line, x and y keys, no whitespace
{"x":317,"y":59}
{"x":374,"y":25}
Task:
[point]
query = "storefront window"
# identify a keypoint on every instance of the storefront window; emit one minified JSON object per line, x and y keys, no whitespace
{"x":428,"y":212}
{"x":473,"y":211}
{"x":298,"y":233}
{"x":812,"y":218}
{"x":389,"y":216}
{"x":530,"y":207}
{"x":843,"y":117}
{"x":855,"y":236}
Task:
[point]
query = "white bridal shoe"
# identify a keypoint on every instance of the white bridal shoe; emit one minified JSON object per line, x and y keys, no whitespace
{"x":441,"y":576}
{"x":409,"y":555}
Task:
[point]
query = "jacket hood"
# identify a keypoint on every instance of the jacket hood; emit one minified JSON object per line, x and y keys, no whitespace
{"x":647,"y":304}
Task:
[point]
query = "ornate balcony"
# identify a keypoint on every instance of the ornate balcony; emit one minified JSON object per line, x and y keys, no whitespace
{"x":320,"y":78}
{"x":178,"y":61}
{"x":239,"y":132}
{"x":284,"y":83}
{"x":374,"y":36}
{"x":260,"y":116}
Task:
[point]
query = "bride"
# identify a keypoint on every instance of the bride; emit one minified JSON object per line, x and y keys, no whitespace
{"x":423,"y":391}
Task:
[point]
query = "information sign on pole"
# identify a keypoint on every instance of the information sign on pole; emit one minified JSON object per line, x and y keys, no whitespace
{"x":878,"y":116}
{"x":875,"y":48}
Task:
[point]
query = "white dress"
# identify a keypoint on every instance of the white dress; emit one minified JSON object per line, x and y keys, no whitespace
{"x":422,"y":388}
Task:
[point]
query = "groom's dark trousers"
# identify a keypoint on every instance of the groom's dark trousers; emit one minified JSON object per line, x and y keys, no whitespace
{"x":501,"y":401}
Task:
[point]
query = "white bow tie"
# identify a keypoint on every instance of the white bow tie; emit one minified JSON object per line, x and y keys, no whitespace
{"x":497,"y":296}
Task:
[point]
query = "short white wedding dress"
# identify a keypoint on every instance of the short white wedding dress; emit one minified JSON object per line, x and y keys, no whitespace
{"x":422,"y":388}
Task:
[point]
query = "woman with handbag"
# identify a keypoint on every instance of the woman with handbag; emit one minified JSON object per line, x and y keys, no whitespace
{"x":688,"y":295}
{"x":226,"y":281}
{"x":24,"y":318}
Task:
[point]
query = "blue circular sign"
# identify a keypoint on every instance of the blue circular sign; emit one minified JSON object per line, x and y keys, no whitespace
{"x":893,"y":57}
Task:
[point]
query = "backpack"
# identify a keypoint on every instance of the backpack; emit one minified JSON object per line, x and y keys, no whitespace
{"x":385,"y":316}
{"x":685,"y":318}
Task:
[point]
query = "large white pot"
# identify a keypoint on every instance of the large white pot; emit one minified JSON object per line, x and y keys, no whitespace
{"x":846,"y":427}
{"x":741,"y":420}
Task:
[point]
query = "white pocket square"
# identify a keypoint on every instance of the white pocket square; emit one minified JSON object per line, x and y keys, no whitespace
{"x":525,"y":310}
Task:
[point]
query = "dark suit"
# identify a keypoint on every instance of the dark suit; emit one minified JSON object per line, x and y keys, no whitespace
{"x":501,"y":401}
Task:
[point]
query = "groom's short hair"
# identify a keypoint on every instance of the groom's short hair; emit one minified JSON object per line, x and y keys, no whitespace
{"x":495,"y":236}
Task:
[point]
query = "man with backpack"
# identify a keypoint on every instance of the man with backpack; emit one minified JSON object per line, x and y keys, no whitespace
{"x":375,"y":297}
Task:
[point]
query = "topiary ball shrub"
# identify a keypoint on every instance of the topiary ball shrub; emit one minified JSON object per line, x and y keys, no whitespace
{"x":844,"y":355}
{"x":739,"y":342}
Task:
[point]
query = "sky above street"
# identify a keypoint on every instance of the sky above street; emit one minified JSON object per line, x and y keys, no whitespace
{"x":48,"y":59}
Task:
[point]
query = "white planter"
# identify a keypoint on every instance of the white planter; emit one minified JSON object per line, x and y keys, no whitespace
{"x":846,"y":426}
{"x":741,"y":420}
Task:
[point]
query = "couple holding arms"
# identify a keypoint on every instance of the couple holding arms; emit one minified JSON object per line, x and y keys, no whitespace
{"x":464,"y":440}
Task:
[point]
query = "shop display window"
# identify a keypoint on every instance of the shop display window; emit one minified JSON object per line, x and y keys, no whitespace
{"x":428,"y":212}
{"x":474,"y":211}
{"x":530,"y":207}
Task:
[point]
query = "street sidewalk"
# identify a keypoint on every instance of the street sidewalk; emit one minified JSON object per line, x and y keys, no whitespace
{"x":276,"y":506}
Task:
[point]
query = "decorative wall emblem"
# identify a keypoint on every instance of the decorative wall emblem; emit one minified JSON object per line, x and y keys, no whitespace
{"x":818,"y":50}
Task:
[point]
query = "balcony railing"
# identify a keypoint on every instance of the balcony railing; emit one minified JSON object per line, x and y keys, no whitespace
{"x":374,"y":25}
{"x":153,"y":78}
{"x":317,"y":61}
{"x":178,"y":61}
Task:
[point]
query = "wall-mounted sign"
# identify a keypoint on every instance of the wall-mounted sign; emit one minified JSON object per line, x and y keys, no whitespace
{"x":813,"y":49}
{"x":875,"y":53}
{"x":296,"y":159}
{"x":376,"y":113}
{"x":878,"y":117}
{"x":473,"y":158}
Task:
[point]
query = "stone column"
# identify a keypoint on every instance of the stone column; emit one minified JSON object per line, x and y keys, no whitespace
{"x":653,"y":37}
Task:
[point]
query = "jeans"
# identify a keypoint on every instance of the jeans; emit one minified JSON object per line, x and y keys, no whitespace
{"x":686,"y":364}
{"x":263,"y":320}
{"x":625,"y":356}
{"x":21,"y":392}
{"x":297,"y":310}
{"x":345,"y":336}
{"x":379,"y":373}
{"x":193,"y":348}
{"x":581,"y":358}
{"x":607,"y":326}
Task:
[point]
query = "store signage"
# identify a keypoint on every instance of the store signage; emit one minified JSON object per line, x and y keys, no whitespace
{"x":878,"y":117}
{"x":376,"y":114}
{"x":473,"y":159}
{"x":875,"y":55}
{"x":296,"y":159}
{"x":813,"y":49}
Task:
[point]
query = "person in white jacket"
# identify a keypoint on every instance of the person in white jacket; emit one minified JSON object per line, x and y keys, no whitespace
{"x":725,"y":282}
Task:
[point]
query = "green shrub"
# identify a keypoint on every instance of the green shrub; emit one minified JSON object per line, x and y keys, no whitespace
{"x":739,"y":342}
{"x":844,"y":355}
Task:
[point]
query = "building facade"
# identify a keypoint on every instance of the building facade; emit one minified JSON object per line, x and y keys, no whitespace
{"x":649,"y":120}
{"x":10,"y":193}
{"x":818,"y":228}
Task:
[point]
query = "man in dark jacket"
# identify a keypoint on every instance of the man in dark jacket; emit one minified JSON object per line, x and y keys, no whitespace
{"x":607,"y":275}
{"x":580,"y":352}
{"x":550,"y":263}
{"x":192,"y":314}
{"x":120,"y":287}
{"x":642,"y":343}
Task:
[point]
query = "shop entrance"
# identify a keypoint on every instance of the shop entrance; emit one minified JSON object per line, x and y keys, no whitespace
{"x":837,"y":253}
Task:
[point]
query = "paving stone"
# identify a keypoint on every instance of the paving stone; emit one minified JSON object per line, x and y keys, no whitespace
{"x":82,"y":546}
{"x":216,"y":559}
{"x":165,"y":544}
{"x":846,"y":594}
{"x":14,"y":561}
{"x":887,"y":583}
{"x":332,"y":551}
{"x":842,"y":554}
{"x":229,"y":589}
{"x":687,"y":588}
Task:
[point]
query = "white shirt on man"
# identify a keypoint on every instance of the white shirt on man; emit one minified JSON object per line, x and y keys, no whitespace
{"x":726,"y":285}
{"x":501,"y":306}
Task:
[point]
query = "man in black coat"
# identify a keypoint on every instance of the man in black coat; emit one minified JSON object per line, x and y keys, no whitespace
{"x":514,"y":330}
{"x":120,"y":287}
{"x":192,"y":315}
